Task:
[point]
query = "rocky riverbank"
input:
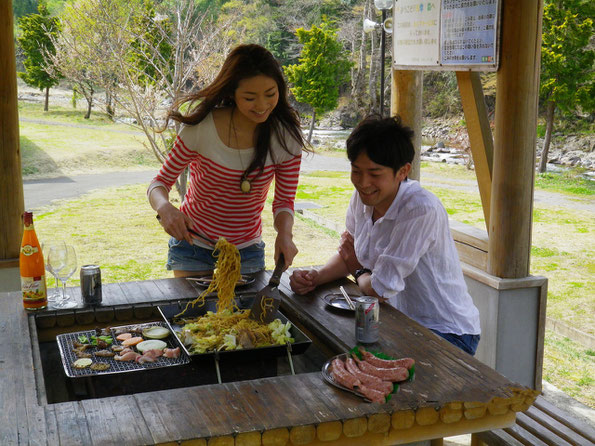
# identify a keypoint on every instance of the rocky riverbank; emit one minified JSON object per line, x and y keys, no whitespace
{"x":450,"y":138}
{"x":446,"y":140}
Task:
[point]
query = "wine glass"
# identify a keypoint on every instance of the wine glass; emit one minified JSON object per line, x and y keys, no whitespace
{"x":55,"y":294}
{"x":63,"y":261}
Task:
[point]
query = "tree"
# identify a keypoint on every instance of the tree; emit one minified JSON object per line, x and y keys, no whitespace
{"x":323,"y":67}
{"x":148,"y":55}
{"x":21,"y":8}
{"x":567,"y":76}
{"x":37,"y":32}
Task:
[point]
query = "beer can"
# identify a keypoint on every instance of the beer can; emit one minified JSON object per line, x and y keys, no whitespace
{"x":367,"y":312}
{"x":91,"y":284}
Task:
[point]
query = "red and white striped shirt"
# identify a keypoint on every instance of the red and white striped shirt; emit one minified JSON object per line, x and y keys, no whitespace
{"x":214,"y":200}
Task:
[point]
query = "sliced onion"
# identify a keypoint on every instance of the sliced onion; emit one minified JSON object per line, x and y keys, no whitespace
{"x":156,"y":332}
{"x":151,"y":344}
{"x":82,"y":363}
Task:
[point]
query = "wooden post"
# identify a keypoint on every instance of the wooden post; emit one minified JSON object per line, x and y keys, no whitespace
{"x":514,"y":152}
{"x":407,"y":88}
{"x":480,"y":135}
{"x":11,"y":183}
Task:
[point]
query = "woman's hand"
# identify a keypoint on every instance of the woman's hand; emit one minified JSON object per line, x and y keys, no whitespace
{"x":175,"y":222}
{"x":303,"y":281}
{"x":284,"y":244}
{"x":347,"y":252}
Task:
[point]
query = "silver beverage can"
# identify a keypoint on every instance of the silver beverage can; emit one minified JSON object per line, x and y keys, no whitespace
{"x":91,"y":284}
{"x":367,"y":312}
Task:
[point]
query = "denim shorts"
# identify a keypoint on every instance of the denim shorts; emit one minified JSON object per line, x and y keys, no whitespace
{"x":468,"y":343}
{"x":183,"y":256}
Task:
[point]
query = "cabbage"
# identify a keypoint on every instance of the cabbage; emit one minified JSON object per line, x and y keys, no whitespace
{"x":229,"y":342}
{"x":280,"y":332}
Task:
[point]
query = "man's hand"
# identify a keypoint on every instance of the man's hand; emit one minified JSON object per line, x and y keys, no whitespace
{"x":303,"y":281}
{"x":347,"y":252}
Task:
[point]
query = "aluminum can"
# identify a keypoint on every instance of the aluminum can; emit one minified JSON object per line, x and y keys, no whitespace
{"x":367,"y":312}
{"x":91,"y":284}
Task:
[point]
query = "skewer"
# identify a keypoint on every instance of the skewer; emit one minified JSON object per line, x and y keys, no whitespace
{"x":347,"y":298}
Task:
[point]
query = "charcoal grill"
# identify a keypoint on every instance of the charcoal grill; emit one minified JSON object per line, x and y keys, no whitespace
{"x":243,"y":301}
{"x":65,"y":345}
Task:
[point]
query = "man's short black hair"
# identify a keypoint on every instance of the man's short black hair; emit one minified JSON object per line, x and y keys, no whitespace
{"x":385,"y":140}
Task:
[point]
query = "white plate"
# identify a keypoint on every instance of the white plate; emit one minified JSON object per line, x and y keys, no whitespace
{"x":205,"y":281}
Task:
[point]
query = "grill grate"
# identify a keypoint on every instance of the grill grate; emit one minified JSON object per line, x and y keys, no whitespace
{"x":65,"y":345}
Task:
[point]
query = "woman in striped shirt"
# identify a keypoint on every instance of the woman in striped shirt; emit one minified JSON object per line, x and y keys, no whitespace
{"x":238,"y":135}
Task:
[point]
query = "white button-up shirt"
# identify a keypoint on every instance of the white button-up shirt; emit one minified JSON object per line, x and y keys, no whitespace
{"x":413,"y":259}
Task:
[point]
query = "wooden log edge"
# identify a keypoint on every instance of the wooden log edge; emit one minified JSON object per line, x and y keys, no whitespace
{"x":427,"y":420}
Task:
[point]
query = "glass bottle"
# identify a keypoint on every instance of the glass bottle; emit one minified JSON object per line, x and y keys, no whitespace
{"x":32,"y":268}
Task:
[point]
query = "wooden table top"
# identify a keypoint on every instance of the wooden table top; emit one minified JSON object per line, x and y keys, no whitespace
{"x":452,"y":393}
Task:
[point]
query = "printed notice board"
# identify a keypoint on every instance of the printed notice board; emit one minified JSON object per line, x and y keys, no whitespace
{"x":446,"y":34}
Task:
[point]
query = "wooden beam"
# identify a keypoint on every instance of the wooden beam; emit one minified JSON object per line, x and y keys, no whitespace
{"x":480,"y":135}
{"x":407,"y":88}
{"x":515,"y":136}
{"x":11,"y":184}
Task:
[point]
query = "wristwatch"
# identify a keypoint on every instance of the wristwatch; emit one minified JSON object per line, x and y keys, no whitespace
{"x":359,"y":272}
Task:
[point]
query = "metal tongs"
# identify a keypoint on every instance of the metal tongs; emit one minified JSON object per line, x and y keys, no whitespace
{"x":205,"y":239}
{"x":267,"y":300}
{"x":347,"y":298}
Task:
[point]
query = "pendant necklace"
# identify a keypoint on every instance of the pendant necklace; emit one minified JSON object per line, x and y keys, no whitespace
{"x":245,"y":183}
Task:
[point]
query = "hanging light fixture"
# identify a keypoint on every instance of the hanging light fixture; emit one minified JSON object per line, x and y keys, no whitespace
{"x":381,"y":5}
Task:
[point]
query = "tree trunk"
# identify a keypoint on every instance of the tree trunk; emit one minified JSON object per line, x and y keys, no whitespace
{"x":549,"y":125}
{"x":312,"y":126}
{"x":47,"y":99}
{"x":109,"y":105}
{"x":89,"y":98}
{"x":358,"y":86}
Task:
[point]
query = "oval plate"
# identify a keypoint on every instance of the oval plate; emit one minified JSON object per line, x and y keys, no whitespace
{"x":336,"y":300}
{"x":326,"y":374}
{"x":205,"y":281}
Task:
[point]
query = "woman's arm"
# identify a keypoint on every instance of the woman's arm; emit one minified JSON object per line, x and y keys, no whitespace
{"x":172,"y":219}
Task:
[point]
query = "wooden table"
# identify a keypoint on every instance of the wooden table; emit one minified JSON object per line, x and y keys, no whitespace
{"x":452,"y":393}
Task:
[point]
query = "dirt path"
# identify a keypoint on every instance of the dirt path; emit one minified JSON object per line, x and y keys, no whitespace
{"x":41,"y":192}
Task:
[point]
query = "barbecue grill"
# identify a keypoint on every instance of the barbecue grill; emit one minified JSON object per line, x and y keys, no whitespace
{"x":65,"y":345}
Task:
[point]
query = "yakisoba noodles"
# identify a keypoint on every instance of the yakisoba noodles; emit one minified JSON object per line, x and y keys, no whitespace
{"x":225,"y":276}
{"x":229,"y":328}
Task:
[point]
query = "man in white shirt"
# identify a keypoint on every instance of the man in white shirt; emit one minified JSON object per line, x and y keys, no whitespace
{"x":398,"y":245}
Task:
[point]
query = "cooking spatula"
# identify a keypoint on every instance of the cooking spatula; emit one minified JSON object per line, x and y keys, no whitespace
{"x":267,"y":300}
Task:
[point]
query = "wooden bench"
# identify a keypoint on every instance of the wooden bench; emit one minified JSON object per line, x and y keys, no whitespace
{"x":543,"y":424}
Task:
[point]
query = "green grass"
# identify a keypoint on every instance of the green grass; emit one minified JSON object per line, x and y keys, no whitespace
{"x":569,"y":182}
{"x":62,"y":149}
{"x":570,"y":367}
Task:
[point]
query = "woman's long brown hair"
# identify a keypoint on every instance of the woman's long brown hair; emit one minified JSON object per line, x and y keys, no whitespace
{"x":244,"y":61}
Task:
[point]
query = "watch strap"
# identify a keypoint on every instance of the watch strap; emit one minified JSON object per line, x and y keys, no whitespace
{"x":361,"y":271}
